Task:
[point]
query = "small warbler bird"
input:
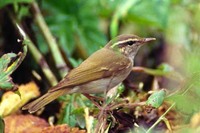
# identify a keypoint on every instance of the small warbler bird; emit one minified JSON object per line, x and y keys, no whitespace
{"x":103,"y":70}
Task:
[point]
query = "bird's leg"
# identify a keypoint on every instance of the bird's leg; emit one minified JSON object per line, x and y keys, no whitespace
{"x":105,"y":108}
{"x":95,"y":100}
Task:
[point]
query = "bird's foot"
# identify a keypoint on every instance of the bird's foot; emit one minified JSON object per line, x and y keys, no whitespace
{"x":97,"y":101}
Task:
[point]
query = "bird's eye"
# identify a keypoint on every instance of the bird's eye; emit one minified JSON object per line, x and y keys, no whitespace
{"x":131,"y":42}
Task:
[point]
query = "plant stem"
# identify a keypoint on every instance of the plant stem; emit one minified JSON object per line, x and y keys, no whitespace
{"x":54,"y":48}
{"x":156,"y":72}
{"x":160,"y":118}
{"x":42,"y":62}
{"x":35,"y":52}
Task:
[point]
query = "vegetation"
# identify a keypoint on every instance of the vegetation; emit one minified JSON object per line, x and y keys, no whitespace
{"x":41,"y":41}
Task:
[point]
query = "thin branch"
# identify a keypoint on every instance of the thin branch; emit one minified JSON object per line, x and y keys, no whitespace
{"x":42,"y":62}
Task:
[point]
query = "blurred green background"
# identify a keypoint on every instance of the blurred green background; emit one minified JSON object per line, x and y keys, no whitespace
{"x":81,"y":27}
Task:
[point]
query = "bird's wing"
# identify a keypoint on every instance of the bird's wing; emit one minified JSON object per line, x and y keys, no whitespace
{"x":94,"y":68}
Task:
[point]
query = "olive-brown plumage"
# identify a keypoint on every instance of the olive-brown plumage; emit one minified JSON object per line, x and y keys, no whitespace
{"x":100,"y":72}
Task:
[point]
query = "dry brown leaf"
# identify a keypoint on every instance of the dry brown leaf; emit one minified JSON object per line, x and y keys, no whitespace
{"x":24,"y":124}
{"x":33,"y":124}
{"x":11,"y":102}
{"x":62,"y":129}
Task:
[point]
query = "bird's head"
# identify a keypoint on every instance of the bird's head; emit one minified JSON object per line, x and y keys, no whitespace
{"x":127,"y":45}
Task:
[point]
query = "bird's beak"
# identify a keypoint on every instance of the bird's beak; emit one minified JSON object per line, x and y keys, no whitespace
{"x":145,"y":40}
{"x":149,"y":39}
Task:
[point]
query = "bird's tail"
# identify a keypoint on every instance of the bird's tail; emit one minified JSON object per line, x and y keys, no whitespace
{"x":44,"y":100}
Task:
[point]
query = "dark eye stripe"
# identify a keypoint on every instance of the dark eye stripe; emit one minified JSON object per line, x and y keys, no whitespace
{"x":131,"y":42}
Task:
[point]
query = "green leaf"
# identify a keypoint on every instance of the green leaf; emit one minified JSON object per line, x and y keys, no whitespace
{"x":75,"y":25}
{"x":8,"y":63}
{"x":6,"y":83}
{"x":165,"y":67}
{"x":156,"y":99}
{"x":23,"y":12}
{"x":120,"y":12}
{"x":73,"y":112}
{"x":67,"y":116}
{"x":5,"y":59}
{"x":187,"y":96}
{"x":187,"y":104}
{"x":6,"y":2}
{"x":191,"y":60}
{"x":78,"y":111}
{"x":6,"y":68}
{"x":178,"y":27}
{"x":150,"y":13}
{"x":80,"y":119}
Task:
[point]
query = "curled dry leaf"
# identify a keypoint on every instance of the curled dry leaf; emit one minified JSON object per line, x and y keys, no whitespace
{"x":11,"y":102}
{"x":33,"y":124}
{"x":24,"y":124}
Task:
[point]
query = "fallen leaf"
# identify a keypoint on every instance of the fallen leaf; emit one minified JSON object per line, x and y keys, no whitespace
{"x":62,"y":129}
{"x":24,"y":124}
{"x":33,"y":124}
{"x":11,"y":102}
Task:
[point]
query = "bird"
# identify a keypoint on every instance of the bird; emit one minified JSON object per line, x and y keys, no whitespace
{"x":100,"y":72}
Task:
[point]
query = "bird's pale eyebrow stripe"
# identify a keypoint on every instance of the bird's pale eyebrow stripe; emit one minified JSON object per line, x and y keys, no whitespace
{"x":124,"y":41}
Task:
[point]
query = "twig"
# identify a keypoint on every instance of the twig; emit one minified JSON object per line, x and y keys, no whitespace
{"x":156,"y":72}
{"x":126,"y":105}
{"x":42,"y":62}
